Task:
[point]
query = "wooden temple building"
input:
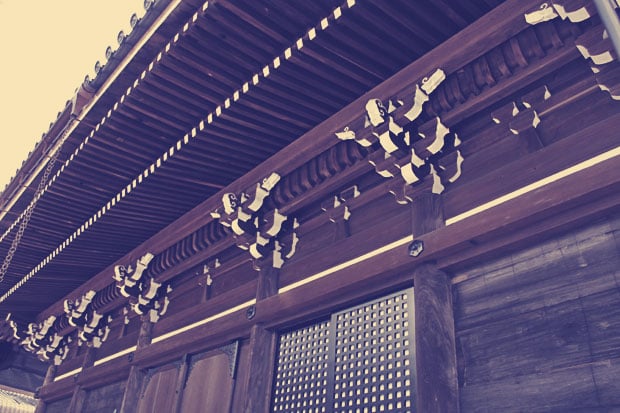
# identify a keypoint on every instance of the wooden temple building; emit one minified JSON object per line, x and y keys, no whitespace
{"x":328,"y":206}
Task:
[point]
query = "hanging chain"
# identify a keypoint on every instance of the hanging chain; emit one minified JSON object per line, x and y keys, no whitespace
{"x":28,"y":212}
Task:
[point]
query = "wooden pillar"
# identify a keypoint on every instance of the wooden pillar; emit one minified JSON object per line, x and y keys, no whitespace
{"x":437,"y":387}
{"x":181,"y":379}
{"x":49,"y":378}
{"x":133,"y":388}
{"x":262,"y":348}
{"x":79,"y":394}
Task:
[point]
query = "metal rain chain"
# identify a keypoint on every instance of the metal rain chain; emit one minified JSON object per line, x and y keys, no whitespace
{"x":28,"y":213}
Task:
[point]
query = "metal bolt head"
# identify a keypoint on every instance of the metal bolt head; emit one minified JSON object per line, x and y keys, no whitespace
{"x":250,"y":312}
{"x":416,"y":248}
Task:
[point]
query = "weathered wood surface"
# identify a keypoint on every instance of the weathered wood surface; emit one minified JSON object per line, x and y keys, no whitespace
{"x":257,"y":384}
{"x":209,"y":385}
{"x":157,"y":391}
{"x":109,"y":372}
{"x":58,"y":406}
{"x":134,"y":388}
{"x":104,"y":399}
{"x":538,"y":330}
{"x":437,"y":388}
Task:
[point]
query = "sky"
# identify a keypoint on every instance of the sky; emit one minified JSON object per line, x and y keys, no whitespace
{"x":47,"y":49}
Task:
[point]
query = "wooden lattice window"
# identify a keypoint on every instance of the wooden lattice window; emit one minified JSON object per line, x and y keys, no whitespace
{"x":361,"y":360}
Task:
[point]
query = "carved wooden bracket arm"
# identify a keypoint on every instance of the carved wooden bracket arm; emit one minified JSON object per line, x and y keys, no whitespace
{"x":406,"y":150}
{"x":261,"y":231}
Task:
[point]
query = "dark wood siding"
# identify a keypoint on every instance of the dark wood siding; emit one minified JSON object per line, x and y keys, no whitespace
{"x":209,"y":385}
{"x":159,"y":390}
{"x":104,"y":399}
{"x":539,"y":330}
{"x":59,"y":406}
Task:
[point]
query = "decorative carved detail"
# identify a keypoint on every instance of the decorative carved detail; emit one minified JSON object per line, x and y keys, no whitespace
{"x":232,"y":351}
{"x":406,"y":156}
{"x":8,"y":330}
{"x":596,"y":45}
{"x":338,"y":210}
{"x":208,"y":271}
{"x":146,"y":295}
{"x":257,"y":230}
{"x":574,"y":10}
{"x":75,"y":310}
{"x":48,"y":346}
{"x":128,"y":279}
{"x":608,"y":78}
{"x":95,"y":331}
{"x":522,"y":117}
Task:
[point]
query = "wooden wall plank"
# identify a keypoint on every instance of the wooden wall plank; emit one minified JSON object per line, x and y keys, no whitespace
{"x":209,"y":386}
{"x":538,"y":330}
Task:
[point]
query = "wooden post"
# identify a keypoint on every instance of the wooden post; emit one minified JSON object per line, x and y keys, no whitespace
{"x":136,"y":377}
{"x":49,"y":377}
{"x":181,"y":379}
{"x":437,"y":388}
{"x":426,"y":214}
{"x":79,"y":394}
{"x":257,"y":383}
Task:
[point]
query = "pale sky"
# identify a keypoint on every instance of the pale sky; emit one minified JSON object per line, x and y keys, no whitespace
{"x":48,"y":47}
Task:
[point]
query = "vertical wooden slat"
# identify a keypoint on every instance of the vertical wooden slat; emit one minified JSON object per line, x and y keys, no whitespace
{"x":49,"y":377}
{"x":137,"y":375}
{"x":436,"y":372}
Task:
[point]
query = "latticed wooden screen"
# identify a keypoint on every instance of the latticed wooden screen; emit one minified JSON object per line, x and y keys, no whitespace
{"x":302,"y":373}
{"x":361,"y":360}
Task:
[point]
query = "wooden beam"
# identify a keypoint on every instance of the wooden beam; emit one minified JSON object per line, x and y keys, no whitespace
{"x":437,"y":388}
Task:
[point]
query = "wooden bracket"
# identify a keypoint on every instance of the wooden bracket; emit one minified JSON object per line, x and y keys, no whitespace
{"x":338,"y":210}
{"x":522,"y":117}
{"x":256,"y":230}
{"x":574,"y":10}
{"x":205,"y":280}
{"x":8,"y":330}
{"x":404,"y":156}
{"x":596,"y":45}
{"x":608,"y":78}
